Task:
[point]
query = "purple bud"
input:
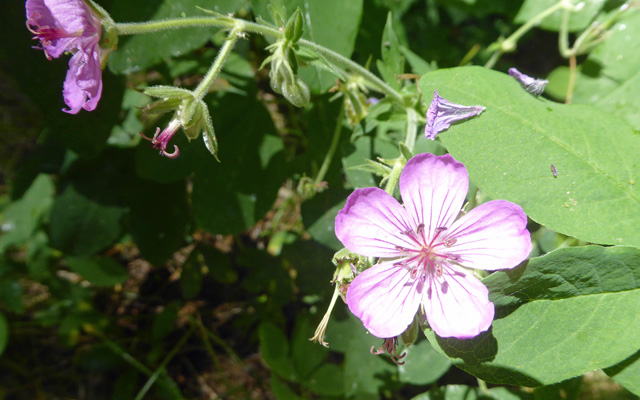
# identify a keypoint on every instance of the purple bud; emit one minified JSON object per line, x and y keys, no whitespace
{"x":531,"y":85}
{"x":442,"y":113}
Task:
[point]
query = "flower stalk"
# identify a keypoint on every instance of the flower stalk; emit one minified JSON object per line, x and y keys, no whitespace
{"x":372,"y":81}
{"x":509,"y":44}
{"x":216,"y":67}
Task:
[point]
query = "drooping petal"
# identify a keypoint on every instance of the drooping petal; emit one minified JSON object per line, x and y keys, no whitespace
{"x":433,"y":189}
{"x":491,"y":236}
{"x":83,"y":84}
{"x":531,"y":85}
{"x":457,"y":304}
{"x":442,"y":113}
{"x":385,"y":298}
{"x":371,"y":224}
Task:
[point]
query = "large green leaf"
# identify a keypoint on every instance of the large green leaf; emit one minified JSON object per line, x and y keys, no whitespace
{"x":556,"y":318}
{"x":138,"y":52}
{"x":422,"y":365}
{"x":627,"y":373}
{"x":461,"y":392}
{"x":85,"y":217}
{"x":21,"y":218}
{"x":509,"y":150}
{"x":363,"y":372}
{"x":231,"y":196}
{"x":330,"y":23}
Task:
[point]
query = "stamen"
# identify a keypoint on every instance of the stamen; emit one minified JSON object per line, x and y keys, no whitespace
{"x":448,"y":242}
{"x":420,"y":229}
{"x":389,"y":347}
{"x":438,"y":230}
{"x":176,"y":152}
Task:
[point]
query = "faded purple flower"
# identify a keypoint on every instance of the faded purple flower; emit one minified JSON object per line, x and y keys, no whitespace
{"x":426,"y":252}
{"x":531,"y":85}
{"x":442,"y":113}
{"x":71,"y":26}
{"x":160,"y":140}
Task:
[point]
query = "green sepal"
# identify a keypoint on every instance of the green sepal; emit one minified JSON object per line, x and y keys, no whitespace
{"x":306,"y":54}
{"x":293,"y":29}
{"x":188,"y":112}
{"x":299,"y":26}
{"x":209,"y":135}
{"x":345,"y":258}
{"x":167,"y":92}
{"x":410,"y":335}
{"x":297,"y":92}
{"x":293,"y":63}
{"x":406,"y":153}
{"x":373,"y":167}
{"x":310,"y":57}
{"x":162,"y":106}
{"x":354,"y":106}
{"x":266,"y":61}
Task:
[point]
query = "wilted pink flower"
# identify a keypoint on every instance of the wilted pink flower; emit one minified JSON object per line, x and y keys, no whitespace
{"x":160,"y":140}
{"x":442,"y":113}
{"x":531,"y":85}
{"x":71,"y":26}
{"x":426,"y":252}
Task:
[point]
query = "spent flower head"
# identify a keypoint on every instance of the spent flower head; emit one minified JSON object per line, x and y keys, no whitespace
{"x":426,"y":252}
{"x":442,"y":113}
{"x":531,"y":85}
{"x":190,"y":114}
{"x":83,"y":29}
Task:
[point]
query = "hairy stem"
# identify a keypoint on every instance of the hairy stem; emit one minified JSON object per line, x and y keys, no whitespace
{"x":138,"y":28}
{"x":332,"y":149}
{"x":510,"y":43}
{"x":572,"y":79}
{"x":216,"y":67}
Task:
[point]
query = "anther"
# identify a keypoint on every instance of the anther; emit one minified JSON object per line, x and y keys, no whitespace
{"x":448,"y":242}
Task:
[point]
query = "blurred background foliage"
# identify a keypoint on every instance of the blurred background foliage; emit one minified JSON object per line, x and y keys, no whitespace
{"x":127,"y":275}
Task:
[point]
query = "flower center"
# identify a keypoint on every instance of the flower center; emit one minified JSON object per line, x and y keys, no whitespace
{"x":429,"y":256}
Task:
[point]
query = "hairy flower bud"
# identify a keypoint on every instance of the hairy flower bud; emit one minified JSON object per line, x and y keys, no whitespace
{"x":297,"y":92}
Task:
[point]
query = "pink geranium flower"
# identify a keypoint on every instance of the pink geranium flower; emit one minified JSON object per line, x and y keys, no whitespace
{"x":71,"y":26}
{"x":426,"y":251}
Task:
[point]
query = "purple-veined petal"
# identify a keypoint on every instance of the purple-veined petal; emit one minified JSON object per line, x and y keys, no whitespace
{"x":530,"y":84}
{"x":491,"y":236}
{"x":457,"y":304}
{"x":61,"y":23}
{"x":433,"y":189}
{"x":83,"y":85}
{"x":385,"y":298}
{"x":442,"y":113}
{"x":371,"y":224}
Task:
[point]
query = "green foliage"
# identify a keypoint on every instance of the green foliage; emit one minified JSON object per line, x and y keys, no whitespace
{"x":509,"y":149}
{"x":128,"y":275}
{"x":571,"y":298}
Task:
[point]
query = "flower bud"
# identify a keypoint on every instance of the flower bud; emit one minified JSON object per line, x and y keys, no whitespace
{"x":297,"y":93}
